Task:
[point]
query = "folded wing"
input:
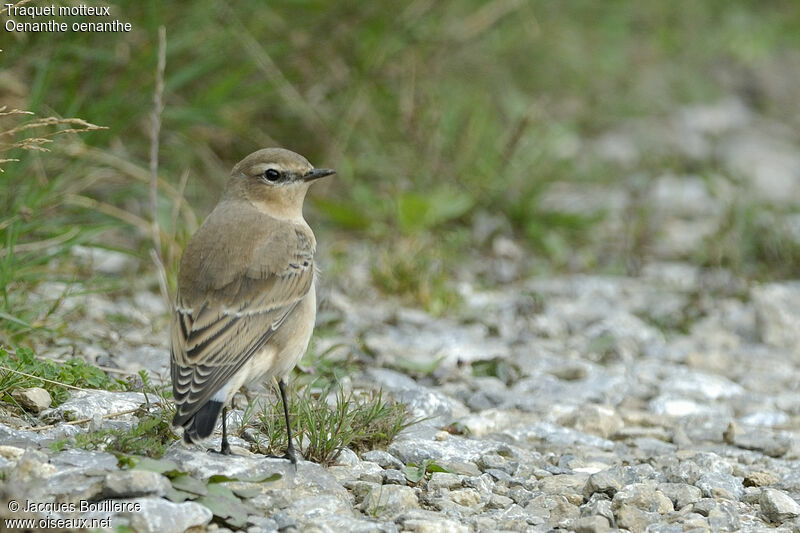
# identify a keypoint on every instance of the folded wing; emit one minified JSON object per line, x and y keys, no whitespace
{"x":228,"y":315}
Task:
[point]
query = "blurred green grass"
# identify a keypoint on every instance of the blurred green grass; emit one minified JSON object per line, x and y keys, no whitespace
{"x":430,"y":110}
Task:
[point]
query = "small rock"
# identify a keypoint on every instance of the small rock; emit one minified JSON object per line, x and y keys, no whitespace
{"x":313,"y":508}
{"x":454,"y":449}
{"x":760,"y":479}
{"x":606,"y":482}
{"x":384,"y":459}
{"x":681,"y":494}
{"x":460,"y":467}
{"x":499,"y":502}
{"x":634,"y":519}
{"x":443,"y":480}
{"x":347,"y":457}
{"x":162,"y":516}
{"x":568,"y":485}
{"x":134,"y":483}
{"x":86,"y":404}
{"x":393,"y":477}
{"x":520,"y":495}
{"x":724,"y":517}
{"x":31,"y":465}
{"x":720,"y":485}
{"x":12,"y":453}
{"x":591,"y":524}
{"x":420,"y":521}
{"x":751,"y":495}
{"x":768,"y":444}
{"x":598,"y":505}
{"x":777,"y":506}
{"x":499,"y":475}
{"x":563,"y":513}
{"x":483,"y":483}
{"x":466,"y":497}
{"x":598,"y":420}
{"x":704,"y":506}
{"x":369,"y":471}
{"x":84,"y":461}
{"x":778,"y":314}
{"x":389,"y":501}
{"x":34,"y":399}
{"x":643,"y":496}
{"x":491,"y":461}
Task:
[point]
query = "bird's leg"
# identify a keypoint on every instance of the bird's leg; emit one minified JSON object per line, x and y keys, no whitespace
{"x":290,"y":452}
{"x":224,"y":448}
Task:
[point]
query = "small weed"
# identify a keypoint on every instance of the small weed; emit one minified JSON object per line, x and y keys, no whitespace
{"x":415,"y":270}
{"x":753,"y":241}
{"x":20,"y":369}
{"x":149,"y":437}
{"x":324,"y":429}
{"x":159,"y":395}
{"x":416,"y":472}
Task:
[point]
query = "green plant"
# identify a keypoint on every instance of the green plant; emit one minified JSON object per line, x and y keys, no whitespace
{"x":753,"y":240}
{"x":416,"y":472}
{"x":30,"y":233}
{"x":417,"y":271}
{"x":149,"y":437}
{"x":21,"y":369}
{"x":323,"y":429}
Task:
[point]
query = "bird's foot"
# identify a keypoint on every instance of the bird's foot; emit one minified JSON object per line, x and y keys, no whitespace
{"x":290,"y":455}
{"x":224,"y":449}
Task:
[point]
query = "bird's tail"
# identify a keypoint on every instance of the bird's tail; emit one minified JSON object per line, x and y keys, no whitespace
{"x":201,"y":424}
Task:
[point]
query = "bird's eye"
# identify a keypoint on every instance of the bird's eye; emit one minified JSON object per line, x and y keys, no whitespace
{"x":272,"y":175}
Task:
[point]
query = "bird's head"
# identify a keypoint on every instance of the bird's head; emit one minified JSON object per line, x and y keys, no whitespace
{"x":275,"y":179}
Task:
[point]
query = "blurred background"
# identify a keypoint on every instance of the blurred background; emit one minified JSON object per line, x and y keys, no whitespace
{"x":476,"y":143}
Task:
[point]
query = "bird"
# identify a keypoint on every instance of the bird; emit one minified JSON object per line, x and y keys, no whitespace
{"x":246,"y":302}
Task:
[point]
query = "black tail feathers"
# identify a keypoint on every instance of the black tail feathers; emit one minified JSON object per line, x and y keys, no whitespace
{"x":201,"y":424}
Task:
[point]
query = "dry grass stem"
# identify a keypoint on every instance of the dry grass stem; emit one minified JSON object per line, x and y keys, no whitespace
{"x":158,"y":107}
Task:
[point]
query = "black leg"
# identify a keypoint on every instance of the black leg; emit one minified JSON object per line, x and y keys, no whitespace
{"x":290,"y":453}
{"x":225,"y":448}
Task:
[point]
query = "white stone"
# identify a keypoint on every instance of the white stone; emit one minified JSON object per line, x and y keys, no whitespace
{"x":777,"y":506}
{"x":162,"y":516}
{"x":35,"y":399}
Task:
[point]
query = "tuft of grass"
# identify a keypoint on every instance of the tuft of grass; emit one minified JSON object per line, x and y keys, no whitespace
{"x":417,"y":271}
{"x":20,"y":369}
{"x":753,"y":240}
{"x":34,"y":135}
{"x":323,"y":428}
{"x":150,"y":437}
{"x":31,"y":232}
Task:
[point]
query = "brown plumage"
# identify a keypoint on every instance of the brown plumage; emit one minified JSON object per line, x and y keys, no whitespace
{"x":246,"y":303}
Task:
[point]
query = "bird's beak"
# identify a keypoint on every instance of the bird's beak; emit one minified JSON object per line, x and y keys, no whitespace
{"x":316,"y":173}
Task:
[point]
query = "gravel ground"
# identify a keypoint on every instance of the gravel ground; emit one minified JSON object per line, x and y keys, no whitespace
{"x":661,"y":402}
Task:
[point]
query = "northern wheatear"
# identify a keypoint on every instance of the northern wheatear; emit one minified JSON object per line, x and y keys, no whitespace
{"x":246,"y":303}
